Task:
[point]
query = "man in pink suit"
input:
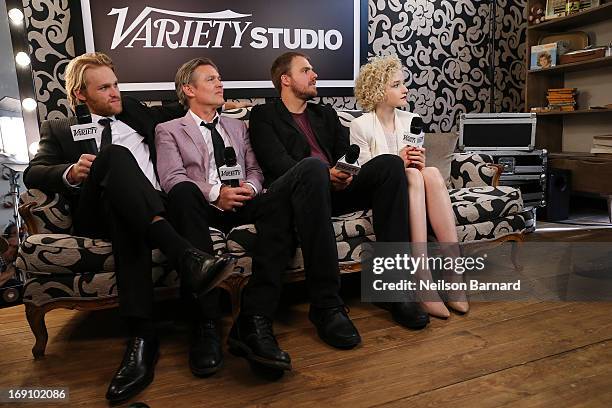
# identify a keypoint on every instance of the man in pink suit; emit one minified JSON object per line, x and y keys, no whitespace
{"x":190,"y":164}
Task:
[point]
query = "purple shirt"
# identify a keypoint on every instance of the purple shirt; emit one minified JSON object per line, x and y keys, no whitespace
{"x":304,"y":124}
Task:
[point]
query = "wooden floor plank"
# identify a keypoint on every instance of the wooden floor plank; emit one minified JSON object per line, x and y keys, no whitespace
{"x":577,"y":378}
{"x":392,"y":366}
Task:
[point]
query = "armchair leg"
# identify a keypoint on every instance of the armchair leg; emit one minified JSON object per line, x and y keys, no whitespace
{"x":36,"y":319}
{"x":514,"y":255}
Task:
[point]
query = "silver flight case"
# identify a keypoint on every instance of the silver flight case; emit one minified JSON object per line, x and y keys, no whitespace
{"x":497,"y":131}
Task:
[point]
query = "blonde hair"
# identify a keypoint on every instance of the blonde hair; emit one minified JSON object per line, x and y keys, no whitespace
{"x":373,"y":79}
{"x":184,"y":76}
{"x":75,"y":73}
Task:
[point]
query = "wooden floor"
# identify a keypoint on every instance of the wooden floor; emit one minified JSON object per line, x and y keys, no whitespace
{"x":500,"y":354}
{"x":536,"y":354}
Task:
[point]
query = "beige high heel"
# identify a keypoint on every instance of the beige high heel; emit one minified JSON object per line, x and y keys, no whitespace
{"x":459,"y":306}
{"x":436,"y":309}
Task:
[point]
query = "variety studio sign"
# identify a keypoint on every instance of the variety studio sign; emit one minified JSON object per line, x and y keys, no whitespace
{"x":148,"y":41}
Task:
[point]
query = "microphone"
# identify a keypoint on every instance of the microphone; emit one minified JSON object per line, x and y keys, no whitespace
{"x":416,"y":125}
{"x":84,"y":130}
{"x":82,"y":114}
{"x":416,"y":136}
{"x":348,"y":163}
{"x":231,"y":172}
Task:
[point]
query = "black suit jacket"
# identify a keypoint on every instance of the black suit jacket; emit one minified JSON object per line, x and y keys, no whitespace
{"x":279,"y":143}
{"x":57,"y":150}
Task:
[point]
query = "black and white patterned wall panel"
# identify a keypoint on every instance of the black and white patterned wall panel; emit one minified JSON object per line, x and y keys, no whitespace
{"x":51,"y":48}
{"x":444,"y":45}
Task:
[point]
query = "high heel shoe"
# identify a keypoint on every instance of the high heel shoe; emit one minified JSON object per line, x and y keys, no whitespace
{"x":436,"y":309}
{"x":459,"y":306}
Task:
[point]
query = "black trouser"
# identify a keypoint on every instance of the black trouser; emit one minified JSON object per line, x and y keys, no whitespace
{"x":380,"y":185}
{"x":270,"y":212}
{"x":118,"y":202}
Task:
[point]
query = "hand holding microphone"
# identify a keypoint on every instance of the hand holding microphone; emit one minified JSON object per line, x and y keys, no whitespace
{"x":347,"y":166}
{"x":235,"y":191}
{"x":413,"y":152}
{"x":84,"y":130}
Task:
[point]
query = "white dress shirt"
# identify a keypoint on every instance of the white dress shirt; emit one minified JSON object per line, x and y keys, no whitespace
{"x":125,"y":136}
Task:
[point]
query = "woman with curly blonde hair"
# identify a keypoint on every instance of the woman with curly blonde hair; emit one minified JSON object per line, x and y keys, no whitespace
{"x":380,"y":91}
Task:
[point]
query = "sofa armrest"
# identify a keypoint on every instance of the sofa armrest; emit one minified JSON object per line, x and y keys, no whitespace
{"x":474,"y":170}
{"x":45,"y":213}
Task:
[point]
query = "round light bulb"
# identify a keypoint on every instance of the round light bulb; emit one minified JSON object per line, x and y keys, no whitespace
{"x":15,"y":15}
{"x":22,"y":59}
{"x":33,"y":148}
{"x":28,"y":104}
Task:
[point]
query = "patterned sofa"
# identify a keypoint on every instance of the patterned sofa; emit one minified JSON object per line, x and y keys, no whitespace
{"x":66,"y":271}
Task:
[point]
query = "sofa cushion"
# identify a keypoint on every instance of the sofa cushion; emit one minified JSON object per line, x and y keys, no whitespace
{"x":349,"y":253}
{"x":354,"y":225}
{"x":61,"y":254}
{"x":439,"y":151}
{"x":478,"y":204}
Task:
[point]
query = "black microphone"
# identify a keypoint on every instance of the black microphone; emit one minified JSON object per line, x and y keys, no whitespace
{"x":416,"y":136}
{"x":82,"y":114}
{"x":231,"y":172}
{"x":83,"y":117}
{"x":416,"y":125}
{"x":348,"y":163}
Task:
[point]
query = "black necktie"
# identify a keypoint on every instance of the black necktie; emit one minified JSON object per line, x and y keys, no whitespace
{"x":107,"y":136}
{"x":218,"y":145}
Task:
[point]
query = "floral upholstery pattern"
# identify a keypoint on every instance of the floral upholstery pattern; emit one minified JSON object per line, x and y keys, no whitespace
{"x":50,"y":213}
{"x":479,"y":204}
{"x":472,"y":170}
{"x":493,"y":229}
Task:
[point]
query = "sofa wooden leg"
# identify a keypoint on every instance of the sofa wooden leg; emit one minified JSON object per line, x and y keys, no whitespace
{"x":36,"y":319}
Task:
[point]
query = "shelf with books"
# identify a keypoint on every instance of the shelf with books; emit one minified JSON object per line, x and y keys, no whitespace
{"x":576,"y":112}
{"x":589,"y":16}
{"x":575,"y":66}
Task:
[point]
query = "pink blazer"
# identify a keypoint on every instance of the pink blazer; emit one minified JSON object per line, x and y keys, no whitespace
{"x":182,"y":154}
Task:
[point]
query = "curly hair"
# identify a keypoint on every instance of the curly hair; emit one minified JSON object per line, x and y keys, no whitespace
{"x":373,"y":79}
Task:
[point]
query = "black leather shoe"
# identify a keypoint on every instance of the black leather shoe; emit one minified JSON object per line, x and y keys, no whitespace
{"x":409,"y":314}
{"x":205,"y":355}
{"x":335,"y":327}
{"x":136,"y":370}
{"x":252,"y":337}
{"x":199,"y":271}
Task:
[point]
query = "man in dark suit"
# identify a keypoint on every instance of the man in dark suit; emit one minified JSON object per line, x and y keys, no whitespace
{"x":113,"y":185}
{"x":297,"y":145}
{"x":190,"y":164}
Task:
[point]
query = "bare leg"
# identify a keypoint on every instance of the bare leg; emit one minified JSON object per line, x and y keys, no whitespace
{"x":442,"y":222}
{"x":418,"y":234}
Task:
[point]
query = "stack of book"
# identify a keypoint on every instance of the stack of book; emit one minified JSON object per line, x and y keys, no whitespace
{"x":563,"y":99}
{"x":602,"y":144}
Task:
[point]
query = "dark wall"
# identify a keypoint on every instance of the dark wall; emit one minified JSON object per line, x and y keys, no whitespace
{"x":443,"y":44}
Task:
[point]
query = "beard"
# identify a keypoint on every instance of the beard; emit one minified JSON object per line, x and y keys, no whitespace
{"x":304,"y":93}
{"x":103,"y":108}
